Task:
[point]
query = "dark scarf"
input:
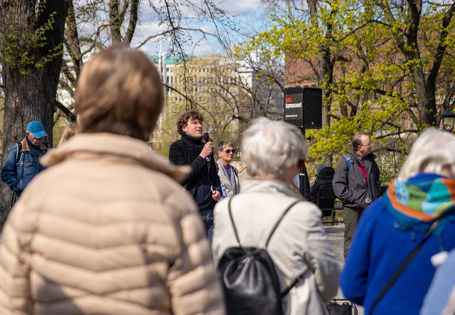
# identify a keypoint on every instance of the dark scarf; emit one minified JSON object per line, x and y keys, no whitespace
{"x":192,"y":139}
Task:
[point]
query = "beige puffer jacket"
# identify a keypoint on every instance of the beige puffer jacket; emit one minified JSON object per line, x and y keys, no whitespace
{"x":106,"y":230}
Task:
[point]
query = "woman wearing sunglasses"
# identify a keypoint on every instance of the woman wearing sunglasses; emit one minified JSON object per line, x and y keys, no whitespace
{"x":229,"y":175}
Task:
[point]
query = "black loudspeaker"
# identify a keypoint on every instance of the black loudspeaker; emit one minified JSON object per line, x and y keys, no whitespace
{"x":303,"y":107}
{"x":312,"y":108}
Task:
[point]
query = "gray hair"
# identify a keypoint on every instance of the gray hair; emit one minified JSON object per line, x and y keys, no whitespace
{"x":432,"y":152}
{"x":268,"y":146}
{"x":224,"y":144}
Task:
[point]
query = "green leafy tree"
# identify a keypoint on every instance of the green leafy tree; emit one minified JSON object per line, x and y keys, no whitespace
{"x":385,"y":68}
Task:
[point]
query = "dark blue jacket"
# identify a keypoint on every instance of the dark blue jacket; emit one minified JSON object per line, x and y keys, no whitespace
{"x":18,"y":177}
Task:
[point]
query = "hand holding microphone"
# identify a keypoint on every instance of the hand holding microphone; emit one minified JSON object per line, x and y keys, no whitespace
{"x":207,"y":149}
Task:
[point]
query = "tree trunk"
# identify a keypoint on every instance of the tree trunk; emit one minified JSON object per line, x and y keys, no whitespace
{"x":30,"y":85}
{"x":325,"y":63}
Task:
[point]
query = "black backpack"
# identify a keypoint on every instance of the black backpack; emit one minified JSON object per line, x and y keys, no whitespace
{"x":249,"y":277}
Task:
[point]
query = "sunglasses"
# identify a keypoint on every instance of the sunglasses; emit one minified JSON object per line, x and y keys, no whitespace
{"x":229,"y":151}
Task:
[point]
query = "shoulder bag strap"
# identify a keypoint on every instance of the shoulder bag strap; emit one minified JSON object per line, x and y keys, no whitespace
{"x":293,"y":283}
{"x":406,"y":262}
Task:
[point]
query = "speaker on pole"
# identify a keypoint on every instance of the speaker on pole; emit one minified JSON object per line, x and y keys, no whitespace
{"x":312,"y":108}
{"x":303,"y":107}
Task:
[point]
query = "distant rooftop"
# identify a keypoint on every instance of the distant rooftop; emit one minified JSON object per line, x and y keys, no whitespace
{"x":169,"y":60}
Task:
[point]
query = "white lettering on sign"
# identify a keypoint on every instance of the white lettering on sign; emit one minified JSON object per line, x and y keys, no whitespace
{"x":293,"y":105}
{"x":291,"y":116}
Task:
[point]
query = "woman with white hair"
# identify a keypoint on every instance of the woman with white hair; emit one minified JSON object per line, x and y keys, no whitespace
{"x":274,"y":153}
{"x":392,"y":227}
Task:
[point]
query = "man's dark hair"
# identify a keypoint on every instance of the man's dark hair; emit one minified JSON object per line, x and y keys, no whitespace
{"x":224,"y":144}
{"x":356,"y":140}
{"x":183,"y":120}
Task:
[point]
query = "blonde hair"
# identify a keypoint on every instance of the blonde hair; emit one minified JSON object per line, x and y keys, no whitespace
{"x":268,"y":146}
{"x":119,"y":91}
{"x":68,"y":132}
{"x":432,"y":152}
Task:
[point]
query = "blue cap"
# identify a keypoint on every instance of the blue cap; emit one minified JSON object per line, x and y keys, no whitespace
{"x":37,"y":129}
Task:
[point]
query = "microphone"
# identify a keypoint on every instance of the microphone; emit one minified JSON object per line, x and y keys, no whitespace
{"x":206,"y":138}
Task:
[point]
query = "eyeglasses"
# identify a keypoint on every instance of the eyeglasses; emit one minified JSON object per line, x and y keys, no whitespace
{"x":229,"y":151}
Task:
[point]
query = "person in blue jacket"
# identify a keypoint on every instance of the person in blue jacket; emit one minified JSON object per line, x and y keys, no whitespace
{"x":392,"y":226}
{"x":22,"y":163}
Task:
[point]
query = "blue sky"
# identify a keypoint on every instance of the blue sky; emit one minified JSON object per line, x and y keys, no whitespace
{"x":248,"y":16}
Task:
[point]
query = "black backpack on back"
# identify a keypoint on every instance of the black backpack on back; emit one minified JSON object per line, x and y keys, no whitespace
{"x":250,"y":280}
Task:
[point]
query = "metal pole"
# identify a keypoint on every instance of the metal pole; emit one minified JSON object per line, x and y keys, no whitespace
{"x":303,"y":178}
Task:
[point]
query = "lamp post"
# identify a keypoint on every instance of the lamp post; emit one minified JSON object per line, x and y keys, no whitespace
{"x":448,"y":120}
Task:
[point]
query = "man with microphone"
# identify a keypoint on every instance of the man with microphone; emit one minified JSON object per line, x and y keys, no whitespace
{"x":195,"y":149}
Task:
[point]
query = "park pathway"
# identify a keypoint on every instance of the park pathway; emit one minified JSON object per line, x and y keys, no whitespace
{"x":335,"y":235}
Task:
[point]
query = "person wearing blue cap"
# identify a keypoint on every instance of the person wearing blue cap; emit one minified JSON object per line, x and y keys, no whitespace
{"x":22,"y":163}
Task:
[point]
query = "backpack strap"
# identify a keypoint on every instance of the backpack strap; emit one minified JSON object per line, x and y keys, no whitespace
{"x":278,"y":222}
{"x":271,"y":232}
{"x":232,"y":222}
{"x":18,"y":152}
{"x":349,"y":162}
{"x":296,"y":280}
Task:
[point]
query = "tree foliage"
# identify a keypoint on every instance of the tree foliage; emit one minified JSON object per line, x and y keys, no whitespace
{"x":385,"y":68}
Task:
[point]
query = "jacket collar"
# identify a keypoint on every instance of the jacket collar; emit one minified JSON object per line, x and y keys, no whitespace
{"x":370,"y":156}
{"x":26,"y":147}
{"x":189,"y":138}
{"x":268,"y":186}
{"x":98,"y":145}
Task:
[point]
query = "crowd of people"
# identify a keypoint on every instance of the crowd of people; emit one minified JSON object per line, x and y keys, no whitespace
{"x":112,"y":227}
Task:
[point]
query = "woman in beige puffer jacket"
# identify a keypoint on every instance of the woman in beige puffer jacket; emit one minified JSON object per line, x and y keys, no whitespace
{"x":107,"y":229}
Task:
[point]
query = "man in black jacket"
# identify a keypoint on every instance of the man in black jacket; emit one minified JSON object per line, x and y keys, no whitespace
{"x":195,"y":150}
{"x":356,"y":183}
{"x":324,"y":178}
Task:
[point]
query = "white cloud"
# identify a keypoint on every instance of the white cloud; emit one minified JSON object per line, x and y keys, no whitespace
{"x":240,"y":7}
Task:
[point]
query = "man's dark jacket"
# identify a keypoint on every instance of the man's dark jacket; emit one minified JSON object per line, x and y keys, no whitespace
{"x":350,"y":186}
{"x":203,"y":177}
{"x":323,"y":178}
